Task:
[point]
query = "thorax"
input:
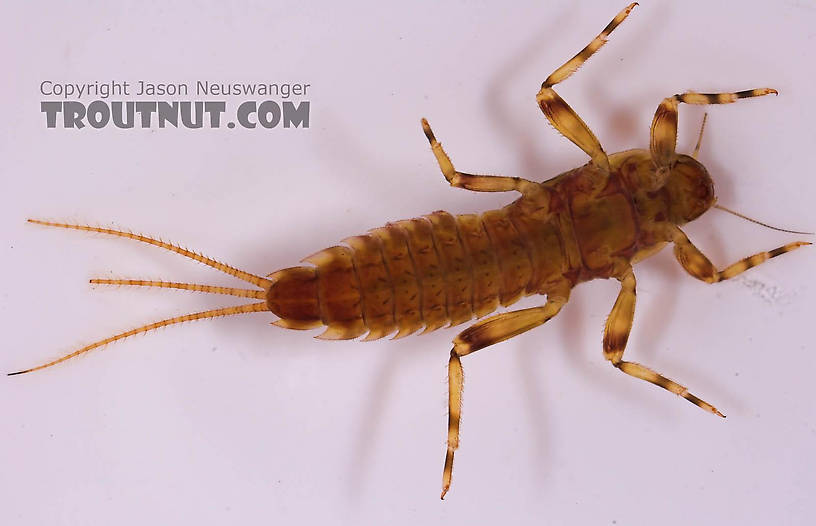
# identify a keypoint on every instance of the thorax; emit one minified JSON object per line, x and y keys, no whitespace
{"x":602,"y":223}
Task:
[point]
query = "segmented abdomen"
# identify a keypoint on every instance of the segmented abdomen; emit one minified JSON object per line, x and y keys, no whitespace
{"x":432,"y":271}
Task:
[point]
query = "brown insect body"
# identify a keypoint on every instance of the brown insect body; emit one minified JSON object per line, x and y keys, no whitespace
{"x":442,"y":270}
{"x":439,"y":270}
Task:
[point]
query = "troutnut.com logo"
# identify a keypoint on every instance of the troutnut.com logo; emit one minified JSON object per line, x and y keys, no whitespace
{"x":144,"y":104}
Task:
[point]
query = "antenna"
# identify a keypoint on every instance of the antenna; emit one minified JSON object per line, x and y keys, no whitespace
{"x":724,"y":209}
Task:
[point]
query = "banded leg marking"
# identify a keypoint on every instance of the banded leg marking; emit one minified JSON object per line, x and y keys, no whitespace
{"x":477,"y":183}
{"x":700,"y":267}
{"x":478,"y":336}
{"x":616,"y":334}
{"x":663,"y":140}
{"x":560,"y":114}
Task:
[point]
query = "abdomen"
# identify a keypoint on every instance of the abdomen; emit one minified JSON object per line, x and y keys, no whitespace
{"x":429,"y":272}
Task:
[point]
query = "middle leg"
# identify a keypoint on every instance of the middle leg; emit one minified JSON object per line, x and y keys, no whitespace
{"x":616,"y":334}
{"x":477,"y":183}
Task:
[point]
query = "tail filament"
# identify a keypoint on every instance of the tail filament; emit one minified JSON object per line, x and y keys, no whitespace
{"x":215,"y":313}
{"x":258,"y":281}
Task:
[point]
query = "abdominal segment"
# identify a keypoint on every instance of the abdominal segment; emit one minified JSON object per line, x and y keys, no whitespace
{"x":434,"y":271}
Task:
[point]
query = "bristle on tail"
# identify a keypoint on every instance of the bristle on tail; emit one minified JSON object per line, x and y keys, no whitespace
{"x":215,"y":313}
{"x":243,"y":293}
{"x":240,"y":274}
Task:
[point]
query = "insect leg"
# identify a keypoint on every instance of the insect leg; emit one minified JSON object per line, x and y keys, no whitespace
{"x":616,"y":333}
{"x":559,"y":113}
{"x":700,"y":267}
{"x":478,"y":336}
{"x":664,"y":125}
{"x":477,"y":183}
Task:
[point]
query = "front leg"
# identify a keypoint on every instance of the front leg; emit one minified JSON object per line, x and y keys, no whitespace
{"x":700,"y":267}
{"x":478,"y":336}
{"x":663,"y":141}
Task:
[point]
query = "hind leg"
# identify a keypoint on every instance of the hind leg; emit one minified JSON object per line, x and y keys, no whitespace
{"x":478,"y":336}
{"x":559,"y":113}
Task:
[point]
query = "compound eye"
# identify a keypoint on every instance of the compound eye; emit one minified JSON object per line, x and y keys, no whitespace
{"x":703,"y":191}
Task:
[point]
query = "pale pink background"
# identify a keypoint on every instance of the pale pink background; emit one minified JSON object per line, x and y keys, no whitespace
{"x":235,"y":421}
